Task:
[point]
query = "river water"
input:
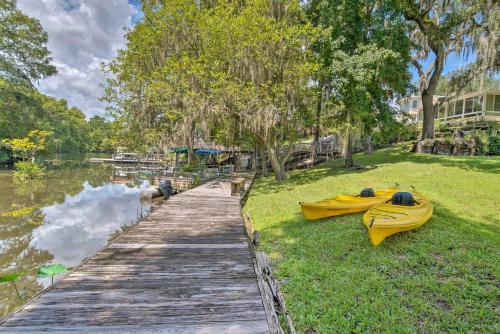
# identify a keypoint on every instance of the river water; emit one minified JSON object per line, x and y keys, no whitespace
{"x":63,"y":218}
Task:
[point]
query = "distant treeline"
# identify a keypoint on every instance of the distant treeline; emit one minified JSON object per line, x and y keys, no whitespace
{"x":23,"y":108}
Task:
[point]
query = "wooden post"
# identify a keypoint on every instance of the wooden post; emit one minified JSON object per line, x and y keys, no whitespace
{"x":237,"y":185}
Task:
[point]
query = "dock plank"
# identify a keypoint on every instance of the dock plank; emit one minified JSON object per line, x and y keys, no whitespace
{"x":186,"y":268}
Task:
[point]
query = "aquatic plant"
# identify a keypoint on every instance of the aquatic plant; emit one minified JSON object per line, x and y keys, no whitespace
{"x":11,"y":278}
{"x":51,"y":270}
{"x":24,"y":170}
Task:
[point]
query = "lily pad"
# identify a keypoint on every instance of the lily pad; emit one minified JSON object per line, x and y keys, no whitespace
{"x":51,"y":270}
{"x":8,"y":278}
{"x":11,"y":278}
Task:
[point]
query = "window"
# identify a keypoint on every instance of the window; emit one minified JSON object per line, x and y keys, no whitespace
{"x":497,"y":103}
{"x":478,"y":104}
{"x":468,"y":105}
{"x":442,"y":111}
{"x":414,"y":104}
{"x":459,"y":107}
{"x":489,"y":102}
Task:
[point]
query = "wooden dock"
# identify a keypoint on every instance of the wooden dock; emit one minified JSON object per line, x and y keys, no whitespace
{"x":187,"y":268}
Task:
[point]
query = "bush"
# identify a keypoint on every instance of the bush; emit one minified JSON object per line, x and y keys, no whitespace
{"x":480,"y":141}
{"x":493,"y":145}
{"x":27,"y":170}
{"x":193,"y":167}
{"x":5,"y":156}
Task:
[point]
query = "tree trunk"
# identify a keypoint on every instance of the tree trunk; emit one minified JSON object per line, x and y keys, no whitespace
{"x":316,"y":145}
{"x":348,"y":160}
{"x":263,"y":156}
{"x":369,"y":144}
{"x":191,"y":145}
{"x":428,"y":94}
{"x":278,"y":168}
{"x":428,"y":110}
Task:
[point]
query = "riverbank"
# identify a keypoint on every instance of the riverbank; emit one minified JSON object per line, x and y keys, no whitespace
{"x":442,"y":277}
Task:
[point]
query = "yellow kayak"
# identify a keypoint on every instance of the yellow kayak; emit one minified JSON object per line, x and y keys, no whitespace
{"x":345,"y":204}
{"x":397,"y":215}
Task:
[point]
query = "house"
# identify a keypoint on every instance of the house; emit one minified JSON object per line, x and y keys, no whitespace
{"x":412,"y":107}
{"x":480,"y":106}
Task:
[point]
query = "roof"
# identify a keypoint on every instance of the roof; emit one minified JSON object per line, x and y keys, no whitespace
{"x":201,"y":151}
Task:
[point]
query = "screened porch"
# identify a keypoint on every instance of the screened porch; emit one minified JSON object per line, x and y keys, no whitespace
{"x":483,"y":105}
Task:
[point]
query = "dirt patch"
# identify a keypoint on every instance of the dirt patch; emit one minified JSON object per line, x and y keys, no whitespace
{"x":437,"y":257}
{"x":443,"y":304}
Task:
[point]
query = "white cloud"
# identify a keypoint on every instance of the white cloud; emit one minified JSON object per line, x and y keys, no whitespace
{"x":82,"y":35}
{"x":81,"y":225}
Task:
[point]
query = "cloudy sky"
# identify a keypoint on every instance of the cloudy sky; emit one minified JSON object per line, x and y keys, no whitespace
{"x":82,"y":35}
{"x":85,"y":33}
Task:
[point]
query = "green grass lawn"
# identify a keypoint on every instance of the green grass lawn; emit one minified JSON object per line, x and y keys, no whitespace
{"x":443,"y":277}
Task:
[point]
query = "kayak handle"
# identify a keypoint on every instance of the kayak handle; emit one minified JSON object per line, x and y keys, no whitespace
{"x":372,"y":221}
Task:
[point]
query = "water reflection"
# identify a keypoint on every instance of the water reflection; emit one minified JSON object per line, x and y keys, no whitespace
{"x":63,"y":218}
{"x":81,"y":225}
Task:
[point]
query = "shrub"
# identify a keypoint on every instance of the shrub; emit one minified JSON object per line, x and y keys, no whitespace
{"x":493,"y":145}
{"x":193,"y":167}
{"x":396,"y":132}
{"x":27,"y":170}
{"x":481,"y":142}
{"x":5,"y":156}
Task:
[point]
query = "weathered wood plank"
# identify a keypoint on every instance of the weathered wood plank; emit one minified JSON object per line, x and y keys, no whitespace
{"x":184,"y":269}
{"x":241,"y":327}
{"x":182,"y":246}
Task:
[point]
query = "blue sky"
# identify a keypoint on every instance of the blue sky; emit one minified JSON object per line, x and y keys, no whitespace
{"x":138,"y":15}
{"x":453,"y":62}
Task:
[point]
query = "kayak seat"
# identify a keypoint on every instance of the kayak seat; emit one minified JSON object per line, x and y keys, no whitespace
{"x":403,"y":198}
{"x":367,"y":192}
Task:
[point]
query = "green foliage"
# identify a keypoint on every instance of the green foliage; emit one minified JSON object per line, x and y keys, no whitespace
{"x":23,"y":109}
{"x":100,"y":134}
{"x":240,"y":71}
{"x":51,"y":270}
{"x":5,"y":155}
{"x":196,"y":180}
{"x":8,"y":278}
{"x":189,"y":168}
{"x":11,"y":278}
{"x":394,"y":132}
{"x":24,"y":56}
{"x":481,"y":142}
{"x":486,"y":144}
{"x":493,"y":145}
{"x":363,"y":54}
{"x":473,"y":85}
{"x":440,"y":278}
{"x":27,"y":170}
{"x":28,"y":147}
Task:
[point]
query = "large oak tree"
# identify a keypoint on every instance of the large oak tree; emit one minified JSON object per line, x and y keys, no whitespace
{"x":440,"y":27}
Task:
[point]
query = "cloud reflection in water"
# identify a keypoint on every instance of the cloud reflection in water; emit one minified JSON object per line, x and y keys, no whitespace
{"x":81,"y":225}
